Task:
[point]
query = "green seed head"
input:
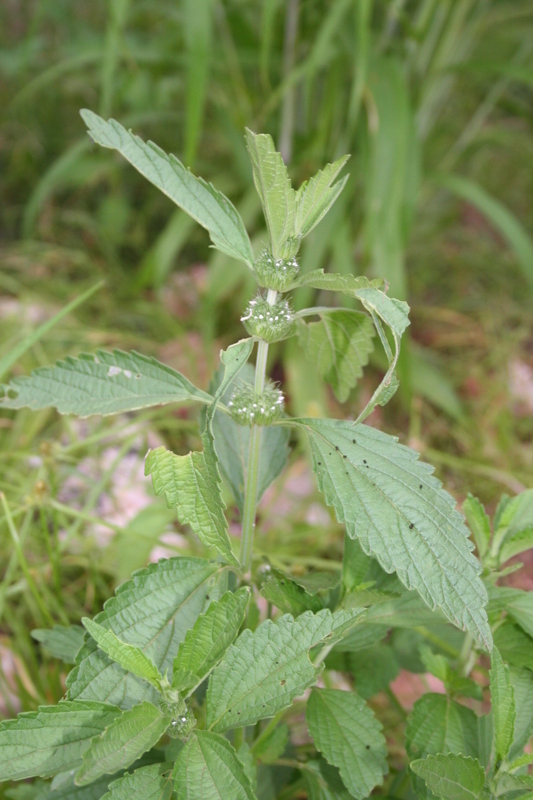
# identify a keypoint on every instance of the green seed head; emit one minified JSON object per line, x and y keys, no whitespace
{"x":275,"y":273}
{"x":248,"y":408}
{"x":267,"y":322}
{"x":183,"y":720}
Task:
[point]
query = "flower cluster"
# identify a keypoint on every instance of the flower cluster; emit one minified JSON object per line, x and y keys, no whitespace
{"x":248,"y":408}
{"x":269,"y":322}
{"x":275,"y":273}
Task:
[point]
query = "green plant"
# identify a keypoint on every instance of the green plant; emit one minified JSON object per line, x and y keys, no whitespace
{"x":174,"y":678}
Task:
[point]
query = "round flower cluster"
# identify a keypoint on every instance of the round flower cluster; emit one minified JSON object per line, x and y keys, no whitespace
{"x":248,"y":408}
{"x":275,"y":273}
{"x":183,"y":720}
{"x":271,"y":323}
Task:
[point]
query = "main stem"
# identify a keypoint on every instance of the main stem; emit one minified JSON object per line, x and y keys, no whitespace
{"x":254,"y":458}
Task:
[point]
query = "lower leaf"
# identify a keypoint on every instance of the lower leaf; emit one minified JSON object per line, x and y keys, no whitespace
{"x":208,"y":768}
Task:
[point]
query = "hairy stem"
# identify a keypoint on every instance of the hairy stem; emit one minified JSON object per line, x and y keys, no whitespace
{"x":254,"y":458}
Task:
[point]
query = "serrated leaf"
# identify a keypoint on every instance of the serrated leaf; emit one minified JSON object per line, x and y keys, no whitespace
{"x":275,"y":191}
{"x":153,"y":782}
{"x":516,"y":514}
{"x":435,"y":663}
{"x":503,"y":705}
{"x":61,"y":641}
{"x":451,"y":777}
{"x":192,"y":483}
{"x":506,"y":783}
{"x":334,"y":282}
{"x":207,"y":641}
{"x":346,"y":731}
{"x":52,"y":739}
{"x":153,"y":611}
{"x":315,"y":197}
{"x":208,"y":768}
{"x":520,"y":608}
{"x":401,"y":516}
{"x":233,"y":446}
{"x":323,"y":782}
{"x":478,"y":522}
{"x":189,"y":484}
{"x":438,"y":724}
{"x":129,"y":657}
{"x":265,"y":670}
{"x":286,"y":594}
{"x":101,"y":383}
{"x":339,"y":346}
{"x":270,"y":747}
{"x":205,"y":204}
{"x":517,"y":543}
{"x":130,"y":735}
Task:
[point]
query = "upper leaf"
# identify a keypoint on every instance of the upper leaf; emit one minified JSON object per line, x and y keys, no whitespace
{"x":209,"y":207}
{"x":395,"y":507}
{"x":347,"y":733}
{"x":287,"y":595}
{"x":315,"y":197}
{"x":209,"y":638}
{"x":339,"y":346}
{"x":153,"y":611}
{"x":335,"y":282}
{"x":103,"y":383}
{"x":522,"y":682}
{"x":503,"y":705}
{"x":130,"y":735}
{"x":51,"y":739}
{"x":266,"y":669}
{"x":130,"y":658}
{"x":153,"y":782}
{"x":208,"y":768}
{"x":451,"y":777}
{"x":61,"y":641}
{"x":274,"y":188}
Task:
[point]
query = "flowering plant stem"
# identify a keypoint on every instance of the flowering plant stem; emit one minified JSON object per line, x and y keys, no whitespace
{"x":254,"y":458}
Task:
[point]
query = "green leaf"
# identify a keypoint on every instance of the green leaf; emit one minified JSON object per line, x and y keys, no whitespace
{"x":440,"y":725}
{"x":334,"y":282}
{"x":153,"y":611}
{"x":130,"y":658}
{"x":315,"y":197}
{"x":270,"y":747}
{"x":435,"y":663}
{"x":348,"y":734}
{"x":61,"y":641}
{"x":207,"y":641}
{"x":274,"y":188}
{"x":478,"y":522}
{"x":51,"y":739}
{"x":451,"y":777}
{"x":287,"y":595}
{"x":515,"y":646}
{"x":323,"y":782}
{"x":505,"y":783}
{"x":503,"y":705}
{"x":189,"y":484}
{"x":233,"y":445}
{"x":265,"y":670}
{"x":522,"y":682}
{"x":517,"y":543}
{"x":339,"y":346}
{"x":153,"y":782}
{"x":208,"y":768}
{"x":401,"y":516}
{"x":103,"y":383}
{"x":130,"y":735}
{"x":192,"y":483}
{"x":209,"y":207}
{"x":373,"y":669}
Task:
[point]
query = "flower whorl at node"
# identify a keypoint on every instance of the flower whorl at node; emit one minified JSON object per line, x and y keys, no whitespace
{"x":275,"y":273}
{"x":248,"y":408}
{"x":271,"y":323}
{"x":183,"y":720}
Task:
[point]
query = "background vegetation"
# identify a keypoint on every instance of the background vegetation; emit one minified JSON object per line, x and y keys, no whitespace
{"x":433,"y":98}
